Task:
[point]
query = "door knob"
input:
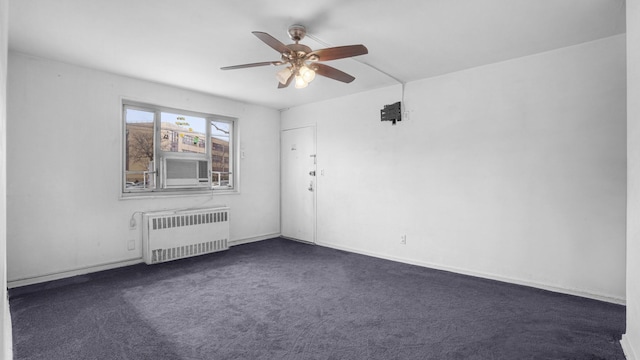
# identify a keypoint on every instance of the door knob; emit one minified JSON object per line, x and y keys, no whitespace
{"x":310,"y":186}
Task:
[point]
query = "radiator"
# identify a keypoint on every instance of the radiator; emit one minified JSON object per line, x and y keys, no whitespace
{"x":171,"y":235}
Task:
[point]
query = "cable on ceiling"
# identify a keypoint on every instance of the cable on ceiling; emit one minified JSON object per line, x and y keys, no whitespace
{"x":403,"y":83}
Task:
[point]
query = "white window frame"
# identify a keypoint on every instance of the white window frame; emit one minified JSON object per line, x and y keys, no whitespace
{"x":158,"y":172}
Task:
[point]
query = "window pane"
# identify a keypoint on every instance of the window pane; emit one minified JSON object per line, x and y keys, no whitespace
{"x":139,"y":147}
{"x":181,"y":133}
{"x":220,"y":155}
{"x":160,"y":142}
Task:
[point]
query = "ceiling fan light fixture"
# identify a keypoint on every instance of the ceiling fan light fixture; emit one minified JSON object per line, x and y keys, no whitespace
{"x":283,"y":75}
{"x":307,"y":74}
{"x":300,"y":82}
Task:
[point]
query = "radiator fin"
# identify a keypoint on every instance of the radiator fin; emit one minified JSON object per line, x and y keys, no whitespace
{"x":172,"y":221}
{"x":179,"y":252}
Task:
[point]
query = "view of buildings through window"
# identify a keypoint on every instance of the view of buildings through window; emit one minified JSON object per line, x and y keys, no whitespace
{"x":177,"y":134}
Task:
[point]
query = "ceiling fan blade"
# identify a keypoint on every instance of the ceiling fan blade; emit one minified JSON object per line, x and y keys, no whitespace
{"x":289,"y":80}
{"x":273,"y":42}
{"x":333,"y":73}
{"x":264,"y":63}
{"x":338,"y":52}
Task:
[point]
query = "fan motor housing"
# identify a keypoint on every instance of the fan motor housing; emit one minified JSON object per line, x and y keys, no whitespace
{"x":299,"y":50}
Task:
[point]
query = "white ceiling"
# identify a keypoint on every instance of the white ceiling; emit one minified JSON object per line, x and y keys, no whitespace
{"x":185,"y":42}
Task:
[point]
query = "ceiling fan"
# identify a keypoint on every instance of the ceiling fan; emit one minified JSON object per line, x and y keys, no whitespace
{"x":303,"y":63}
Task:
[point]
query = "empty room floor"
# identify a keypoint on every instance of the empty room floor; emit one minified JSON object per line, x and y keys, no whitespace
{"x":279,"y":299}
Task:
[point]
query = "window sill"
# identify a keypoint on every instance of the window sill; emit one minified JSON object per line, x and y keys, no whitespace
{"x":175,"y":194}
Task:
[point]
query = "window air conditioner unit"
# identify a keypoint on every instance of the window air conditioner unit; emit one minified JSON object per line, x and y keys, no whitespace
{"x":185,"y":173}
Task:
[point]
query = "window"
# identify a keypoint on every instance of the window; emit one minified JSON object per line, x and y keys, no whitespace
{"x":168,"y":150}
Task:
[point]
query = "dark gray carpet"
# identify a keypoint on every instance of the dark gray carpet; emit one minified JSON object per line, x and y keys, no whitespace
{"x":279,"y":299}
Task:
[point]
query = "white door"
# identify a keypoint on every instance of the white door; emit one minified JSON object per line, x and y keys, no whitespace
{"x":298,"y":214}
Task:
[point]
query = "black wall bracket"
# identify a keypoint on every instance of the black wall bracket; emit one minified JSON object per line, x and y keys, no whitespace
{"x":391,"y":113}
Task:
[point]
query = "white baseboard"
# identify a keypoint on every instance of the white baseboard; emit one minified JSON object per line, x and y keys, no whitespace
{"x":253,"y":239}
{"x":627,"y":348}
{"x":69,"y":273}
{"x":298,"y":240}
{"x":108,"y":266}
{"x":580,"y":293}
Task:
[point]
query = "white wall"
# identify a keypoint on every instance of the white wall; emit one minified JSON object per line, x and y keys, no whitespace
{"x":631,"y":340}
{"x":6,"y":345}
{"x":64,"y":168}
{"x":514,"y":171}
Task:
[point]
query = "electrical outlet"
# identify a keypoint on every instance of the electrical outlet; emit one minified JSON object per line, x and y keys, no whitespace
{"x":403,"y":239}
{"x":131,"y":245}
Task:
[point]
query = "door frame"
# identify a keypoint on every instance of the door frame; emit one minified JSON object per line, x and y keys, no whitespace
{"x":315,"y":190}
